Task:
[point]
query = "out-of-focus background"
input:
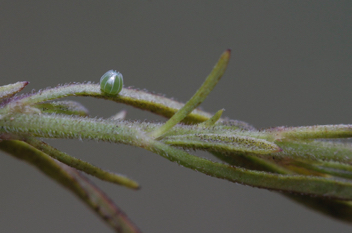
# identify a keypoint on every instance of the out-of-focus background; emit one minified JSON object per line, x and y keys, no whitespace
{"x":290,"y":65}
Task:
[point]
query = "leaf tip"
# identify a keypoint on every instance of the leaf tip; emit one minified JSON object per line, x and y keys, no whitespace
{"x":227,"y":54}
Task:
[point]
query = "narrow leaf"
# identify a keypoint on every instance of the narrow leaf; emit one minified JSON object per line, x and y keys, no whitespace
{"x":11,"y":89}
{"x":208,"y":85}
{"x":223,"y":143}
{"x":63,"y":107}
{"x":212,"y":120}
{"x":79,"y":164}
{"x":331,"y":168}
{"x":317,"y":150}
{"x":312,"y":132}
{"x":315,"y":186}
{"x":74,"y":181}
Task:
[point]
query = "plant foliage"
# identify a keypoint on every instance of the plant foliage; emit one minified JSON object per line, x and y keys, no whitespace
{"x":293,"y":160}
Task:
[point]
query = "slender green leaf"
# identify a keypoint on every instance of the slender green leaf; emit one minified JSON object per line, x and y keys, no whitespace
{"x":330,"y":168}
{"x":317,"y":150}
{"x":208,"y":85}
{"x":212,"y":120}
{"x":63,"y":107}
{"x":79,"y":164}
{"x":11,"y":89}
{"x":74,"y":181}
{"x":308,"y":185}
{"x":312,"y":132}
{"x":223,"y":143}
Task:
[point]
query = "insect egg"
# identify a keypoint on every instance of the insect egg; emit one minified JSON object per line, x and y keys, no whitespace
{"x":111,"y":82}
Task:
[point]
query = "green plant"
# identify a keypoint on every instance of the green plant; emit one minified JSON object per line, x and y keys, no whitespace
{"x":293,"y":160}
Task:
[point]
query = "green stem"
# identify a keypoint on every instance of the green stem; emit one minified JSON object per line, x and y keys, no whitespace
{"x":59,"y":126}
{"x":146,"y":101}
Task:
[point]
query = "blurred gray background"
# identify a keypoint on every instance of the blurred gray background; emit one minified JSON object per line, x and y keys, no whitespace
{"x":291,"y":65}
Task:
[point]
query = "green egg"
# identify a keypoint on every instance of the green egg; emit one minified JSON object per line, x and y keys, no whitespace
{"x":111,"y":82}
